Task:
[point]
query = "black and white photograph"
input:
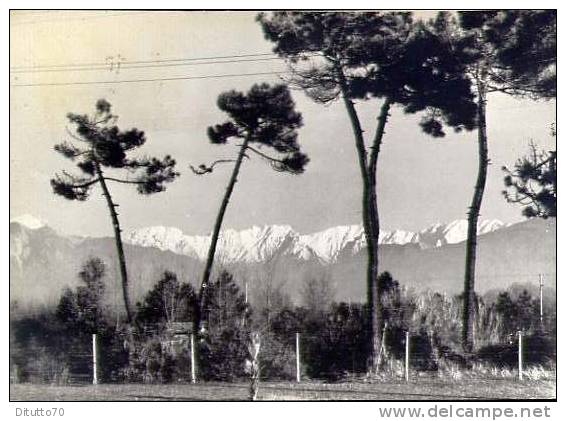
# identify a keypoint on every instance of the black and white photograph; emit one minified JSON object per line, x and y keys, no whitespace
{"x":283,"y":205}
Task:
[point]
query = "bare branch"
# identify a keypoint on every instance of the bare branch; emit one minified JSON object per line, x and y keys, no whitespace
{"x":124,"y":181}
{"x":74,"y":136}
{"x":320,"y":84}
{"x":269,"y":158}
{"x":77,"y":182}
{"x":89,"y":183}
{"x":292,"y":163}
{"x":203,"y":169}
{"x":81,"y":181}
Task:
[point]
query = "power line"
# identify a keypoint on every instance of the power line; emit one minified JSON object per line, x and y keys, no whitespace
{"x":71,"y":18}
{"x":105,"y":63}
{"x":107,"y":82}
{"x":121,"y":66}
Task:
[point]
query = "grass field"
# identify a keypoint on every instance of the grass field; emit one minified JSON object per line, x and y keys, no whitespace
{"x":435,"y":390}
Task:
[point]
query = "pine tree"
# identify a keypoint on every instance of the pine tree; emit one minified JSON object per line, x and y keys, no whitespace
{"x":168,"y":301}
{"x":264,"y":117}
{"x":532,"y":183}
{"x":222,"y":349}
{"x":82,"y":309}
{"x":100,"y":146}
{"x":512,"y":52}
{"x":363,"y":56}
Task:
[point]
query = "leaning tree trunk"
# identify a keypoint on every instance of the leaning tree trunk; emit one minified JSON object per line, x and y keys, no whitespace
{"x":119,"y":245}
{"x":473,"y":215}
{"x":370,"y":216}
{"x":376,"y":310}
{"x":197,"y":324}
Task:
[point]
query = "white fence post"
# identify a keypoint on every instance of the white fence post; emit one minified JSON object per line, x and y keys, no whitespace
{"x":253,"y":349}
{"x":382,"y":351}
{"x":407,"y":356}
{"x":520,"y":351}
{"x":193,"y":371}
{"x":94,"y":360}
{"x":298,"y":355}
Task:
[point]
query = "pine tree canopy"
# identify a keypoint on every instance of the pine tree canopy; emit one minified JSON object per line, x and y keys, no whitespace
{"x":379,"y":54}
{"x":100,"y":144}
{"x":532,"y":183}
{"x":517,"y":46}
{"x":266,"y":117}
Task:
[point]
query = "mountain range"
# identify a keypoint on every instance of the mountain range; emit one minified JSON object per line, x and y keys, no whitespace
{"x":259,"y":244}
{"x":43,"y":262}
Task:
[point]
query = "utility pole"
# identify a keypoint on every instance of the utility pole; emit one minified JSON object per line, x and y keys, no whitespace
{"x":540,"y":283}
{"x":193,"y":362}
{"x":407,"y":356}
{"x":520,"y":355}
{"x":298,"y":356}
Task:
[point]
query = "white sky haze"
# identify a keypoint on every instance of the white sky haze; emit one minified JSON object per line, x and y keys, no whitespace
{"x":421,"y":180}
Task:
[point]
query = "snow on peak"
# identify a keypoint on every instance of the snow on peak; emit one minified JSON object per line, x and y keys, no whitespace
{"x":253,"y":244}
{"x":328,"y":244}
{"x":171,"y":239}
{"x":454,"y":232}
{"x":258,"y":244}
{"x":399,"y":237}
{"x":490,"y":225}
{"x":29,"y":221}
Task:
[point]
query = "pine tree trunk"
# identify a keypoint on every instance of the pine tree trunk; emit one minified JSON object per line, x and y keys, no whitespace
{"x":119,"y":244}
{"x":370,"y":216}
{"x":374,"y":301}
{"x":197,"y":325}
{"x":376,"y":310}
{"x":473,"y":215}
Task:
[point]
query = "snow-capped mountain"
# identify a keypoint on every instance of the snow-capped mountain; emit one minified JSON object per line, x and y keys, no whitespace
{"x":252,"y":245}
{"x":329,"y":244}
{"x":258,"y":244}
{"x":44,"y":262}
{"x":29,"y":221}
{"x":455,"y":232}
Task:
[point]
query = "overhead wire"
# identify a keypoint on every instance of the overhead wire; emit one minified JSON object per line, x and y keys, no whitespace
{"x":180,"y":59}
{"x":166,"y":79}
{"x":68,"y":18}
{"x":142,"y":64}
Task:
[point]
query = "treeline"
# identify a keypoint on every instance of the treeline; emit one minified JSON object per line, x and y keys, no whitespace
{"x":55,"y":346}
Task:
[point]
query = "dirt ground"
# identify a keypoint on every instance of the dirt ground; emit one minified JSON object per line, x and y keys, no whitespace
{"x":433,"y":390}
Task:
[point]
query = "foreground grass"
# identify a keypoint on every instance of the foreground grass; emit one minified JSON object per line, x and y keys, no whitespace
{"x":434,"y":389}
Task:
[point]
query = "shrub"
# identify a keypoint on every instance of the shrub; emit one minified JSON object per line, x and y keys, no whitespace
{"x":223,"y":349}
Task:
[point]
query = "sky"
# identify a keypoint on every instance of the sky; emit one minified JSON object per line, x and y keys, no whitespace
{"x":421,"y":180}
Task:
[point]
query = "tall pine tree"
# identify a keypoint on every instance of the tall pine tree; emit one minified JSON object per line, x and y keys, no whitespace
{"x":100,"y":146}
{"x":262,"y":118}
{"x":373,"y":55}
{"x":511,"y":52}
